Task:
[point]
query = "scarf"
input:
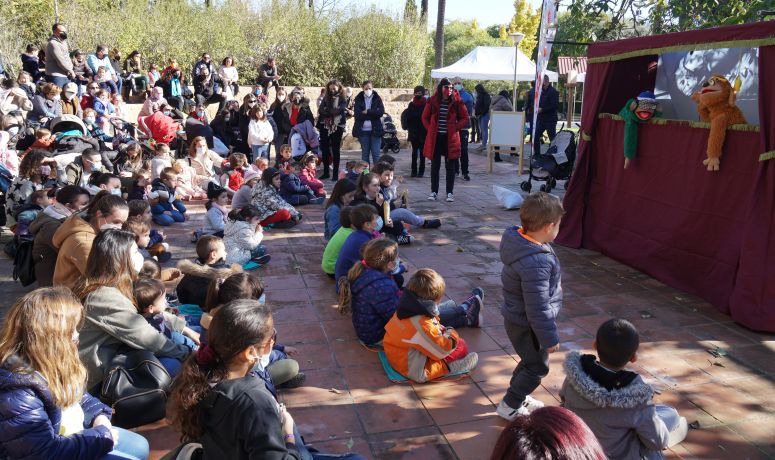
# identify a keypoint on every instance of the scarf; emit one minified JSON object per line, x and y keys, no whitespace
{"x":58,"y":211}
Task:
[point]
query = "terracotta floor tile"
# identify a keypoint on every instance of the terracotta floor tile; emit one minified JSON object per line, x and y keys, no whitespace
{"x":478,"y":340}
{"x":339,"y":329}
{"x":368,"y":380}
{"x":474,"y":440}
{"x":720,"y":443}
{"x":759,"y":432}
{"x":322,"y":385}
{"x":392,"y":412}
{"x":161,"y":437}
{"x":352,"y":354}
{"x":352,"y":444}
{"x":417,"y":444}
{"x":327,"y":421}
{"x":315,"y":356}
{"x":296,"y":333}
{"x":493,"y":364}
{"x":455,"y":403}
{"x":725,"y":403}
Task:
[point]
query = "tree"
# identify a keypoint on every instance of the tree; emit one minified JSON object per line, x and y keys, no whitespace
{"x":410,"y":11}
{"x":424,"y":10}
{"x":525,"y":20}
{"x":439,"y":44}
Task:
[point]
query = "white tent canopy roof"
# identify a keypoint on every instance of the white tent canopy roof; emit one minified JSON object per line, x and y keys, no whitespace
{"x":491,"y":63}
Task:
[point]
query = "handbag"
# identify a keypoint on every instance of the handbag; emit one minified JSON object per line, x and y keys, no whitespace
{"x":136,"y":387}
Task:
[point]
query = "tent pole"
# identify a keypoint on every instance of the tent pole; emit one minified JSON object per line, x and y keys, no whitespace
{"x":516,"y":37}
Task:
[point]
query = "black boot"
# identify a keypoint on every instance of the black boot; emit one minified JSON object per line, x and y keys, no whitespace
{"x":497,"y":158}
{"x":326,"y":174}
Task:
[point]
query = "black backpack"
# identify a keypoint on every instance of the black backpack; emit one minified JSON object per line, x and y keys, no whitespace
{"x":23,"y":262}
{"x":405,"y":119}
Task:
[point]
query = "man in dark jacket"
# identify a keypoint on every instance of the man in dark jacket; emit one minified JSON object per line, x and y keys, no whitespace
{"x":413,"y":121}
{"x":206,"y":90}
{"x":267,"y":75}
{"x":468,"y":100}
{"x":547,"y":114}
{"x":59,"y":66}
{"x":482,"y":112}
{"x":532,"y":298}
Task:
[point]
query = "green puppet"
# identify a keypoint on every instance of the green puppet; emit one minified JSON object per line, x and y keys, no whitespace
{"x":637,"y":112}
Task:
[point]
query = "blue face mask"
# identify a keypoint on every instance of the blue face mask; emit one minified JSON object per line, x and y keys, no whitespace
{"x":380,"y":224}
{"x":257,"y":92}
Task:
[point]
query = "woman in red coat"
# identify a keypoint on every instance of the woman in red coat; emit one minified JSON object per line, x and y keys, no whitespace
{"x":444,"y":116}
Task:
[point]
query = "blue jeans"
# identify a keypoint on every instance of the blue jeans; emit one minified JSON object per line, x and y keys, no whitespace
{"x":260,"y":151}
{"x":130,"y":446}
{"x":258,"y":251}
{"x":407,"y":216}
{"x":307,"y":455}
{"x":59,"y":81}
{"x":172,"y":365}
{"x":370,"y":146}
{"x":453,"y":315}
{"x":176,"y":208}
{"x":181,"y":339}
{"x":484,"y":124}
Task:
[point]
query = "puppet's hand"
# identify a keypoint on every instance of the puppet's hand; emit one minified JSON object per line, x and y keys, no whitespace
{"x":626,"y":163}
{"x":713,"y":164}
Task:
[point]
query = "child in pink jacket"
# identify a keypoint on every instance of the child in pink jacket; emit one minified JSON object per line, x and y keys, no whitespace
{"x":308,"y":174}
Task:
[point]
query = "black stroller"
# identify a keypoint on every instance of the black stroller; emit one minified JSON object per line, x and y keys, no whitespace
{"x":556,"y":164}
{"x":389,"y":135}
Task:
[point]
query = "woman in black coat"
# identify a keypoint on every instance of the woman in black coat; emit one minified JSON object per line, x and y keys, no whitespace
{"x":332,"y":118}
{"x":413,"y":121}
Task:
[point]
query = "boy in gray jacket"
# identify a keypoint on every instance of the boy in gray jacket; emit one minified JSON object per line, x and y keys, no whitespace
{"x":616,"y":403}
{"x":532,"y":298}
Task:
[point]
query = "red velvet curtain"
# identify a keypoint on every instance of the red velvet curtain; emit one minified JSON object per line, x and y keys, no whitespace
{"x":667,"y":215}
{"x":753,"y":301}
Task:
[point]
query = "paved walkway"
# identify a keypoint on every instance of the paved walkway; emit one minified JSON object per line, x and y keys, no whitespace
{"x":348,"y":403}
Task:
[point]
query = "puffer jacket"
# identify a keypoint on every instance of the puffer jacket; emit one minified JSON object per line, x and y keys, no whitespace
{"x":30,"y":420}
{"x":73,"y":241}
{"x":113,"y":323}
{"x":624,"y":419}
{"x":416,"y":129}
{"x":43,"y":252}
{"x":501,"y":103}
{"x":457,"y":119}
{"x":240,"y":238}
{"x":374,"y":300}
{"x":308,"y":177}
{"x":268,"y":201}
{"x":373,"y":114}
{"x":291,"y":188}
{"x":415,"y":342}
{"x":532,"y":287}
{"x":192,"y":288}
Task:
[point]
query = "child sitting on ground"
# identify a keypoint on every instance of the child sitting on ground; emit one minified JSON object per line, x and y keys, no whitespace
{"x":241,"y":197}
{"x":234,"y":176}
{"x":275,"y":211}
{"x":532,"y":298}
{"x":334,"y":246}
{"x":217,"y":213}
{"x":308,"y":174}
{"x":161,"y":159}
{"x":259,"y":165}
{"x":398,"y":211}
{"x":151,"y":300}
{"x":169,"y":208}
{"x":616,"y":403}
{"x":26,"y":213}
{"x":209,"y":265}
{"x":417,"y":345}
{"x":242,"y":237}
{"x":276,"y":369}
{"x":93,"y":126}
{"x":43,"y":141}
{"x":141,"y":186}
{"x":363,"y":220}
{"x":294,"y":192}
{"x":188,"y":186}
{"x":368,"y":192}
{"x":140,"y":210}
{"x":341,"y":196}
{"x":284,"y":157}
{"x":354,"y":170}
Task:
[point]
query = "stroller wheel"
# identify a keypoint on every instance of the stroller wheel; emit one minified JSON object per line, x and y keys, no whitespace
{"x":526,"y":186}
{"x":396,"y":148}
{"x":544,"y":188}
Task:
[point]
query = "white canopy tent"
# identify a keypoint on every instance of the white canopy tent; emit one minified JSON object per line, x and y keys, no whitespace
{"x":492,"y":63}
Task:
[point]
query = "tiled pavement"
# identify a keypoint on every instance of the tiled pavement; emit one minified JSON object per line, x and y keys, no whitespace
{"x":348,"y":403}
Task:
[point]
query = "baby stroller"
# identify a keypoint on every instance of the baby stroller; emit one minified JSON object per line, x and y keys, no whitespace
{"x":389,"y":135}
{"x":556,"y":164}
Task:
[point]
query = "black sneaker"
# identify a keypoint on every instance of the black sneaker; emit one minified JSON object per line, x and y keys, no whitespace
{"x":431,"y":223}
{"x":466,"y":177}
{"x":297,"y":381}
{"x":262,"y":260}
{"x":414,"y":174}
{"x":474,"y":314}
{"x":404,"y":240}
{"x":324,"y":176}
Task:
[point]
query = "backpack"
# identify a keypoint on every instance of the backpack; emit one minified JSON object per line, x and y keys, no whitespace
{"x":23,"y":263}
{"x":405,"y":119}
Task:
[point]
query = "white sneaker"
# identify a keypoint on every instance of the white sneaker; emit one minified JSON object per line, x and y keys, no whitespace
{"x":432,"y":196}
{"x":450,"y":198}
{"x":507,"y":412}
{"x":532,"y":404}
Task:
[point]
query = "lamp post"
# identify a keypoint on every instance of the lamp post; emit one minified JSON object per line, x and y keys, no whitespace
{"x":516,"y":37}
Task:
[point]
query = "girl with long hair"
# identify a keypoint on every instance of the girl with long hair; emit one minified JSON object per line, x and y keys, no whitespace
{"x":272,"y":207}
{"x":368,"y":192}
{"x":341,"y":196}
{"x":47,"y":412}
{"x":35,"y":170}
{"x":242,"y":236}
{"x":217,"y":402}
{"x":112,"y":319}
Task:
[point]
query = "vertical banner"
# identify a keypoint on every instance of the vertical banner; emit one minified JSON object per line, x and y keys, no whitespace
{"x":548,"y":29}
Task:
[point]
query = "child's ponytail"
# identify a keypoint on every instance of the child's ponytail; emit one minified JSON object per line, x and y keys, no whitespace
{"x":376,"y":254}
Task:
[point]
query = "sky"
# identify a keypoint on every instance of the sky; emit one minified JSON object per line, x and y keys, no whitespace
{"x":486,"y":12}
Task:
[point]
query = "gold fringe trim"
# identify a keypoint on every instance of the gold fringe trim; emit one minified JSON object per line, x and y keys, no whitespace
{"x":690,"y":123}
{"x":767,"y":156}
{"x":687,"y":47}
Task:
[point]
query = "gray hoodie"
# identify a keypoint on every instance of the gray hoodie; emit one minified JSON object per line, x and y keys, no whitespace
{"x":532,"y":287}
{"x":624,"y":419}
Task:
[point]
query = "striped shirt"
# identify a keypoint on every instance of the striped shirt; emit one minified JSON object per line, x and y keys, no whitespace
{"x":443,"y":111}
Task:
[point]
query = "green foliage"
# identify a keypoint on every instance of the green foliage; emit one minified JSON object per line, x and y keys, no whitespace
{"x":525,"y":20}
{"x":410,"y":11}
{"x":311,"y":46}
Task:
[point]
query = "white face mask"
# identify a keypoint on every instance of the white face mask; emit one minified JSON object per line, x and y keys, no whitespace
{"x":200,"y":150}
{"x":89,"y":120}
{"x":281,"y":98}
{"x":262,"y":299}
{"x":108,"y":226}
{"x":264,"y":360}
{"x":458,"y":86}
{"x":368,"y":92}
{"x":137,"y":261}
{"x":115,"y":191}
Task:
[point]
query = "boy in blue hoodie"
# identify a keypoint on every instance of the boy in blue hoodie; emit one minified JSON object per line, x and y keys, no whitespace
{"x":168,"y":209}
{"x":532,"y":298}
{"x":363,"y":219}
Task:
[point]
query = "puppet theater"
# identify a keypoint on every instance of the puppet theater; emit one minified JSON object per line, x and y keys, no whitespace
{"x":710,"y":233}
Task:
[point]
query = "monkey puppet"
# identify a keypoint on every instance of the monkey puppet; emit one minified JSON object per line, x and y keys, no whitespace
{"x":716,"y":105}
{"x":636,"y":112}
